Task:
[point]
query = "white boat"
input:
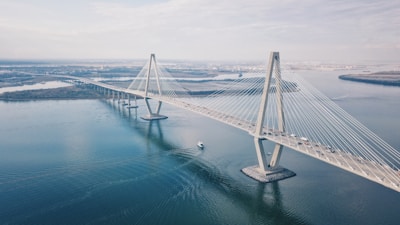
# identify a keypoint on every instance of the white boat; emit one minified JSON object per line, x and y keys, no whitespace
{"x":200,"y":144}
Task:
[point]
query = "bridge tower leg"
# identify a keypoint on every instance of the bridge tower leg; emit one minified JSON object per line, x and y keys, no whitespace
{"x":264,"y":171}
{"x":136,"y":101}
{"x":129,"y":103}
{"x":153,"y":115}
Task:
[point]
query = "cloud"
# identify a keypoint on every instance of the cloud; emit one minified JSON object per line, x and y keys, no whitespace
{"x":203,"y":29}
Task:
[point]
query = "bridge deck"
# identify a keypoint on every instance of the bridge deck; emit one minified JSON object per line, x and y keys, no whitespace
{"x":381,"y":174}
{"x":373,"y":171}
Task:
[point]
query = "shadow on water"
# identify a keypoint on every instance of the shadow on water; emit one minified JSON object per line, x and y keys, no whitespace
{"x":262,"y":202}
{"x":151,"y":130}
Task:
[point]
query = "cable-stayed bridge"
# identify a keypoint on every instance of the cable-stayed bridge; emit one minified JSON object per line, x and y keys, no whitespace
{"x":278,"y":107}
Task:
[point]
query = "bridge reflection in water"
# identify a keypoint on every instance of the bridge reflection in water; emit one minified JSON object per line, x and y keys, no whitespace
{"x":261,"y":200}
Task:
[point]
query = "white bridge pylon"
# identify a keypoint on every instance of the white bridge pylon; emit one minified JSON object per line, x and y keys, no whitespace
{"x":154,"y":82}
{"x":152,"y":75}
{"x":282,"y":108}
{"x":268,"y":172}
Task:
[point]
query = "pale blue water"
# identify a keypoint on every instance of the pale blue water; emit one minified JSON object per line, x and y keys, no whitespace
{"x":91,"y":162}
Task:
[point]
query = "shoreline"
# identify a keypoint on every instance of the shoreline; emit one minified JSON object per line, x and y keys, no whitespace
{"x":62,"y":93}
{"x":69,"y":93}
{"x":380,"y":78}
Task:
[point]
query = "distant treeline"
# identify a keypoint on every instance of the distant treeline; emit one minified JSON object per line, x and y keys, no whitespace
{"x":370,"y":80}
{"x":73,"y":92}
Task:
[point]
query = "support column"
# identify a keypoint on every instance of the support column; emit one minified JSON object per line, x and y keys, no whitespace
{"x":151,"y":115}
{"x":262,"y":160}
{"x":133,"y":106}
{"x":276,"y":156}
{"x":265,"y":172}
{"x":124,"y":98}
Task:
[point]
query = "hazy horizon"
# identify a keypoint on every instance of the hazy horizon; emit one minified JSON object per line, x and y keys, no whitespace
{"x":201,"y":30}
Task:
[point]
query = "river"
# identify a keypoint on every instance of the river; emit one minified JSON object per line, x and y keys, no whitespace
{"x":94,"y":162}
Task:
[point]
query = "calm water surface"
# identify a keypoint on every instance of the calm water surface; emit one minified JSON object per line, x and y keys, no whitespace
{"x":93,"y":162}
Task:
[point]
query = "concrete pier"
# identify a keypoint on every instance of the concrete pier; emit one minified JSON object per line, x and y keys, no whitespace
{"x":275,"y":174}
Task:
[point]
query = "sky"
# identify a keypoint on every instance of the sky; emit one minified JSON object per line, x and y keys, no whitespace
{"x":234,"y":30}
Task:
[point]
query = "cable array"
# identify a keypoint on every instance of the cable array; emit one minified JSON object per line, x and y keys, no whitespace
{"x":309,"y":116}
{"x":160,"y":82}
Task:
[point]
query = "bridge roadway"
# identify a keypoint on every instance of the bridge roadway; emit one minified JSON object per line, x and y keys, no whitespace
{"x":373,"y":171}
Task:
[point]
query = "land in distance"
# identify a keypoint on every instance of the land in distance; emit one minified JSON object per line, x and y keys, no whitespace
{"x":391,"y":78}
